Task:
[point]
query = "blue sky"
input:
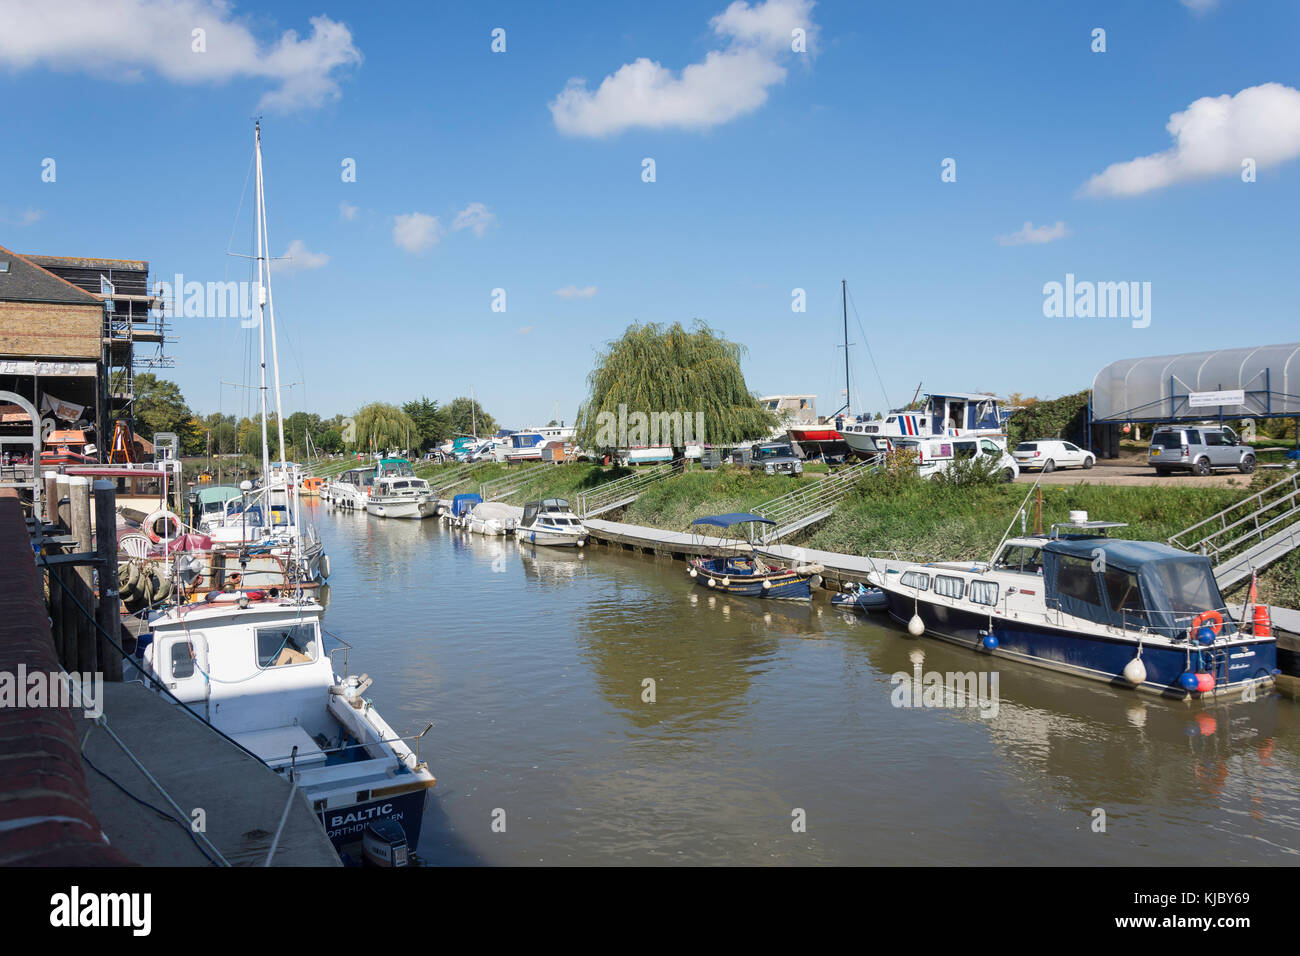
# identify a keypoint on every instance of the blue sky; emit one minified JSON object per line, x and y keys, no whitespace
{"x":775,"y":170}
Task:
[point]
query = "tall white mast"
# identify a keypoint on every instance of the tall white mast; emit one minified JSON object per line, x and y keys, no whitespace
{"x":261,"y":298}
{"x":263,"y":240}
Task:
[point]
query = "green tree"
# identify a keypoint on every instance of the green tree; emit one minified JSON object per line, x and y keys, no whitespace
{"x":380,"y":426}
{"x":465,"y":416}
{"x":431,"y":422}
{"x":160,"y":407}
{"x":657,"y":370}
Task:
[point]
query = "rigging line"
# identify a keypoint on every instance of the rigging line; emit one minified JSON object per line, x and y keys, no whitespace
{"x":870,"y":355}
{"x":240,"y":208}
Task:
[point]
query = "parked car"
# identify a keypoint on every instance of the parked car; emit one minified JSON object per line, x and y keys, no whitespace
{"x":1050,"y":454}
{"x":1198,"y":449}
{"x":935,"y":456}
{"x":775,"y":458}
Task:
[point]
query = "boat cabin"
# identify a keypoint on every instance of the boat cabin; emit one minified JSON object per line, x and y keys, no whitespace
{"x":554,"y":511}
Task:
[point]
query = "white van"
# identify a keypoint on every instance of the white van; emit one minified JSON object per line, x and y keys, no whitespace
{"x":934,"y":456}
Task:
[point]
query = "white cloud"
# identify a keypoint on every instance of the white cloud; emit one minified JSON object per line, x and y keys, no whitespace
{"x":573,"y":292}
{"x":728,"y":83}
{"x":347,"y":212}
{"x":416,"y":231}
{"x":1212,"y":137}
{"x":1029,"y":234}
{"x":1200,"y":6}
{"x":475,"y":216}
{"x":298,"y":258}
{"x":126,"y":39}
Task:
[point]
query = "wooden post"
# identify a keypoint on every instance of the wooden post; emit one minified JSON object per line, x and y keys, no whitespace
{"x":66,"y":640}
{"x":108,"y":610}
{"x":61,"y":506}
{"x":79,"y":525}
{"x":51,"y":496}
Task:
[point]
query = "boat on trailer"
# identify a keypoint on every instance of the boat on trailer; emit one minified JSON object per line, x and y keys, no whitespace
{"x":254,"y":665}
{"x":738,"y":569}
{"x":943,"y":415}
{"x":1137,"y":614}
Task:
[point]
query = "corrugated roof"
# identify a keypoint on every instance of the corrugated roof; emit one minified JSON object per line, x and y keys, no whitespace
{"x":1157,"y":387}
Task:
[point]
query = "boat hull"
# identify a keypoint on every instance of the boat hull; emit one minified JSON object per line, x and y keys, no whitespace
{"x":1094,"y":656}
{"x":416,"y":508}
{"x":345,"y":825}
{"x":551,"y":539}
{"x":781,"y":585}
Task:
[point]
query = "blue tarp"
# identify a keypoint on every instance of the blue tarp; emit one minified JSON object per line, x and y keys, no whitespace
{"x":464,"y":503}
{"x":737,"y":517}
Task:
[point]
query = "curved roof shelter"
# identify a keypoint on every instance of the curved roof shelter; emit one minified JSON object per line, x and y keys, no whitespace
{"x":1259,"y":382}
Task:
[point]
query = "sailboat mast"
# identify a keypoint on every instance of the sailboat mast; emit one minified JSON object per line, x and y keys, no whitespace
{"x":844,"y":296}
{"x":265,"y":242}
{"x":261,"y":298}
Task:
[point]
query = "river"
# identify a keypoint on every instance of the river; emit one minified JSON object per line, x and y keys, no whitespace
{"x":773,"y":735}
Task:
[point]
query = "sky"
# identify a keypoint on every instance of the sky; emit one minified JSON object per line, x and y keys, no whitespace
{"x":949,"y":160}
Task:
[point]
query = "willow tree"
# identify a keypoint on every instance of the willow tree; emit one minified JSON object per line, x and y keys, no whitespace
{"x":380,"y":426}
{"x":670,"y":386}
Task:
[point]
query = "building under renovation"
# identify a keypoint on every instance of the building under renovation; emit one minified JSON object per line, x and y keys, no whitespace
{"x":73,"y":332}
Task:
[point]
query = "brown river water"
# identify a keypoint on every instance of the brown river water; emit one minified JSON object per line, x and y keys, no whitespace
{"x":773,"y":736}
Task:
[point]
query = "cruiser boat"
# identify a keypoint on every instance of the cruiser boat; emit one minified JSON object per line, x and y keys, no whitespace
{"x":739,"y":569}
{"x":551,"y":522}
{"x":951,"y":415}
{"x":1135,"y":614}
{"x":255,"y":667}
{"x":398,"y":495}
{"x":350,"y":489}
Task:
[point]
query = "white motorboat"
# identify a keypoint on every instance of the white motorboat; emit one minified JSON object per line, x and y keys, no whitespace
{"x":551,"y":522}
{"x":400,"y":494}
{"x":493,"y":518}
{"x":257,"y":668}
{"x":952,"y":415}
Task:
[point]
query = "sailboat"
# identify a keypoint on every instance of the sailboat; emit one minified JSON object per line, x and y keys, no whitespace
{"x":822,"y":438}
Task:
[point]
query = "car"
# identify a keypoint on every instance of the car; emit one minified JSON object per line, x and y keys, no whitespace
{"x":1198,"y":449}
{"x":1050,"y":454}
{"x":775,"y":458}
{"x":935,"y":456}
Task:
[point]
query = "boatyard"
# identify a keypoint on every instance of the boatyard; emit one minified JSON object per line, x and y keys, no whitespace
{"x":475,"y":477}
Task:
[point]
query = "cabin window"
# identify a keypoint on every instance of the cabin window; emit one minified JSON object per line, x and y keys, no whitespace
{"x":1075,"y":579}
{"x":984,"y":592}
{"x":182,"y":660}
{"x":286,"y":644}
{"x":949,"y":586}
{"x":1021,"y":558}
{"x":1122,"y":591}
{"x":914,"y":579}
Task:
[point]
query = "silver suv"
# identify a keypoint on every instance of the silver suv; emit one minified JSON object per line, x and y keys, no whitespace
{"x":775,"y":458}
{"x":1198,"y":449}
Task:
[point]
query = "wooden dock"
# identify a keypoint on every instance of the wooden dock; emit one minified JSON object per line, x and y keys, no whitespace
{"x":835,"y":569}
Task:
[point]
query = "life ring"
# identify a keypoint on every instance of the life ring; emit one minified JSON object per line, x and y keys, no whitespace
{"x":147,"y":526}
{"x":1204,"y":616}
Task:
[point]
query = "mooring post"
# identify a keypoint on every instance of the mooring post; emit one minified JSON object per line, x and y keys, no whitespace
{"x":66,"y":639}
{"x":51,"y":497}
{"x":108,"y":610}
{"x":79,"y":525}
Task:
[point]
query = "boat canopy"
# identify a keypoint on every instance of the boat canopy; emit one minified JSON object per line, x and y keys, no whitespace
{"x":1129,"y":583}
{"x":216,"y":495}
{"x":462,"y":504}
{"x":736,"y":517}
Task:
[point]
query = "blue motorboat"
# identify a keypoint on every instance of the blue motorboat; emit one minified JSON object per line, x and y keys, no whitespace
{"x":860,"y":598}
{"x":1135,"y":614}
{"x":738,"y":568}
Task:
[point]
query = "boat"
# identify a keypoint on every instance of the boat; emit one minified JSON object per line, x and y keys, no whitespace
{"x":461,"y":505}
{"x":312,"y":486}
{"x":527,"y":445}
{"x":208,"y":505}
{"x":67,"y":447}
{"x":942,"y":415}
{"x":1137,"y":614}
{"x":860,"y":598}
{"x":738,"y":568}
{"x":551,"y":522}
{"x":254,"y":665}
{"x":493,"y":518}
{"x":350,"y":489}
{"x":397,"y":493}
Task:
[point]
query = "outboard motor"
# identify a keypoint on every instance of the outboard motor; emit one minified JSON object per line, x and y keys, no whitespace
{"x":384,"y":844}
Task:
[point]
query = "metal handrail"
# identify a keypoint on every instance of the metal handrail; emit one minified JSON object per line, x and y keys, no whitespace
{"x":811,"y":498}
{"x":1261,"y":507}
{"x":521,"y":477}
{"x":620,"y":487}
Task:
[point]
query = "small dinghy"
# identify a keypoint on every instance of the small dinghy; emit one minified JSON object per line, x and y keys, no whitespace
{"x":738,"y":569}
{"x":860,"y":598}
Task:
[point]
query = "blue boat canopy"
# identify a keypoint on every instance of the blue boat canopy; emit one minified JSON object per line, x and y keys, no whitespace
{"x":1130,"y":583}
{"x":736,"y":517}
{"x":462,"y":504}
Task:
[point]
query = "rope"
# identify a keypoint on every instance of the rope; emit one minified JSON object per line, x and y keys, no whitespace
{"x":293,"y":791}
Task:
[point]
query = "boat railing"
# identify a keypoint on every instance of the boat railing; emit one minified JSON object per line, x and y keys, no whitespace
{"x":344,"y":646}
{"x":365,"y":745}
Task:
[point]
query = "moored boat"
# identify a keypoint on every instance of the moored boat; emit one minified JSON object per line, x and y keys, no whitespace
{"x":551,"y":522}
{"x":738,"y":568}
{"x":1130,"y":613}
